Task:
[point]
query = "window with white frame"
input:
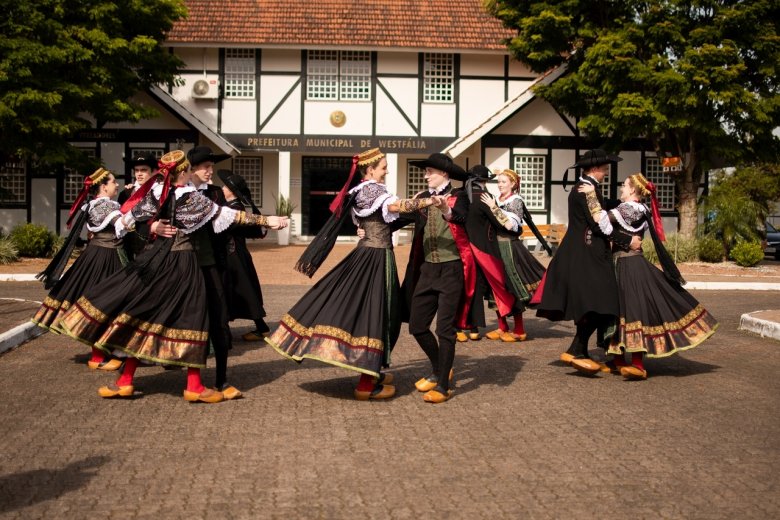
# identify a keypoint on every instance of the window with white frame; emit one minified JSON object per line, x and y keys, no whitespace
{"x":531,"y":169}
{"x":341,"y":75}
{"x":239,"y":73}
{"x":604,"y":185}
{"x":13,"y":186}
{"x":251,"y":169}
{"x":438,"y":77}
{"x":74,"y":181}
{"x":664,"y":183}
{"x":415,"y":180}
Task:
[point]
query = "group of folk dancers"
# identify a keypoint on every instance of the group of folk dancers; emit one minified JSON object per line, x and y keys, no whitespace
{"x":170,"y":289}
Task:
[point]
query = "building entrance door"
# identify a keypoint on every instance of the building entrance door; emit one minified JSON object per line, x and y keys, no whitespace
{"x":322,"y":178}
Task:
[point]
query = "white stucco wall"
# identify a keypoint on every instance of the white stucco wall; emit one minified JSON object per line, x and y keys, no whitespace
{"x":287,"y":119}
{"x":397,"y":63}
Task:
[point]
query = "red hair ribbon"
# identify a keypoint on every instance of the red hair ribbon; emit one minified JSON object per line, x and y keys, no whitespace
{"x":335,"y":206}
{"x":657,"y":222}
{"x":82,"y":196}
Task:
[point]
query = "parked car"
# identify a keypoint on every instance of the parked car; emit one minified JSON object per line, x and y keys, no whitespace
{"x":772,"y":241}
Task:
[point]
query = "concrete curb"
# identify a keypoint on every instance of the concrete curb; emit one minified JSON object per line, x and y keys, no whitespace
{"x":17,"y":278}
{"x":16,"y":336}
{"x":764,"y":328}
{"x":733,"y":286}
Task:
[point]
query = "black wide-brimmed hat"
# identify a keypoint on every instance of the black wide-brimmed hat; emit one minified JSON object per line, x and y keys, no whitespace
{"x":237,"y":185}
{"x":480,"y":172}
{"x":595,"y":157}
{"x":443,"y":162}
{"x":143,"y":160}
{"x":201,"y":154}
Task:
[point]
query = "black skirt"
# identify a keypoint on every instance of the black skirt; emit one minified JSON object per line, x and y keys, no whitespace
{"x":91,"y":268}
{"x":163,"y":321}
{"x":349,"y":318}
{"x":656,"y":317}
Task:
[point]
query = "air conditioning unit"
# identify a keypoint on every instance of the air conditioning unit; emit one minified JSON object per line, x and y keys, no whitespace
{"x":206,"y":87}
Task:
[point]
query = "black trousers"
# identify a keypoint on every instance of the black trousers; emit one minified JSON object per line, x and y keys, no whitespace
{"x":438,"y":293}
{"x":219,"y":329}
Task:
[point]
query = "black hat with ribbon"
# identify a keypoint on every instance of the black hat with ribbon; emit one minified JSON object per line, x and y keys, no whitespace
{"x":201,"y":154}
{"x":477,"y":173}
{"x":143,"y":160}
{"x":442,"y":162}
{"x":237,"y":185}
{"x":589,"y":159}
{"x":595,"y":157}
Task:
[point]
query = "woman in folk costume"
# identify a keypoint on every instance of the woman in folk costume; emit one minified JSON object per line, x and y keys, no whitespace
{"x":155,"y":310}
{"x":242,"y":286}
{"x":658,"y":317}
{"x":102,"y":257}
{"x":523,"y":270}
{"x":350,"y":317}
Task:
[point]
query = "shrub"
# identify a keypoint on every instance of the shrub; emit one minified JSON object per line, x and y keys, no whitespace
{"x":711,"y":249}
{"x":681,"y":249}
{"x":33,"y":240}
{"x":8,"y":251}
{"x":57,"y":244}
{"x":747,"y":253}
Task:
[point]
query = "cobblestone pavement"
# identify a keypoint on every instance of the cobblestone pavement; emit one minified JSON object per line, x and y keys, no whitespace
{"x":523,"y":437}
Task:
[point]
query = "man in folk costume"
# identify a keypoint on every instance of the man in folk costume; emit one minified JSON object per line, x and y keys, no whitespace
{"x":143,"y":167}
{"x":580,"y":282}
{"x":434,"y":281}
{"x":211,"y":250}
{"x":480,"y":225}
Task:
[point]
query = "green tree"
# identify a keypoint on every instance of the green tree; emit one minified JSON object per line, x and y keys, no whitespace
{"x":66,"y":65}
{"x":698,"y":79}
{"x":740,"y":202}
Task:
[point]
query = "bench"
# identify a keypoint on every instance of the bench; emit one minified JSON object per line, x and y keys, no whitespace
{"x":552,"y":233}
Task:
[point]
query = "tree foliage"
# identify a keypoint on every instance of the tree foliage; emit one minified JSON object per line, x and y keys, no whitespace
{"x":699,"y":78}
{"x":64,"y":62}
{"x":740,"y":202}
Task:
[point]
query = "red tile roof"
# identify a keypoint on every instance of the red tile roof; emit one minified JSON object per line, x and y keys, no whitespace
{"x":419,"y":24}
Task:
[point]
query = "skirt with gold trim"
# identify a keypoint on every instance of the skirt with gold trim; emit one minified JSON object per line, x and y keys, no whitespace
{"x":656,"y":317}
{"x":94,"y":265}
{"x":164,"y":321}
{"x":349,"y":318}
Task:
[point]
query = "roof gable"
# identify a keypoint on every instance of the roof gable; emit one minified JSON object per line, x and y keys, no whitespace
{"x":498,"y":118}
{"x":430,"y":24}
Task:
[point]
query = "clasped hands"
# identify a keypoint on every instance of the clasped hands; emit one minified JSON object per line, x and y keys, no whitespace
{"x":275,"y":222}
{"x":440,"y":201}
{"x":163,"y":227}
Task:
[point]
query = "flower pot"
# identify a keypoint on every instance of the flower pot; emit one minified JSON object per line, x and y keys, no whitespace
{"x":283,"y":236}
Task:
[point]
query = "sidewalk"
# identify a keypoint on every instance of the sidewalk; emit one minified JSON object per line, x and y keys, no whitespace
{"x":20,"y":293}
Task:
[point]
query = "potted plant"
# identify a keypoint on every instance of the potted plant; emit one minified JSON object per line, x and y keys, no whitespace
{"x":284,"y":208}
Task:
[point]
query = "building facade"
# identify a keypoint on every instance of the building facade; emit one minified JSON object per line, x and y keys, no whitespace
{"x":293,"y":90}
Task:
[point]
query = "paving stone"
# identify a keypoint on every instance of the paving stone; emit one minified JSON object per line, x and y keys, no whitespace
{"x":523,"y":437}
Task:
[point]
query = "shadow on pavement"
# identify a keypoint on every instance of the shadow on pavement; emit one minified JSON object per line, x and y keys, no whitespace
{"x":677,"y":366}
{"x":30,"y":487}
{"x":342,"y":387}
{"x":469,"y":374}
{"x":473,"y":372}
